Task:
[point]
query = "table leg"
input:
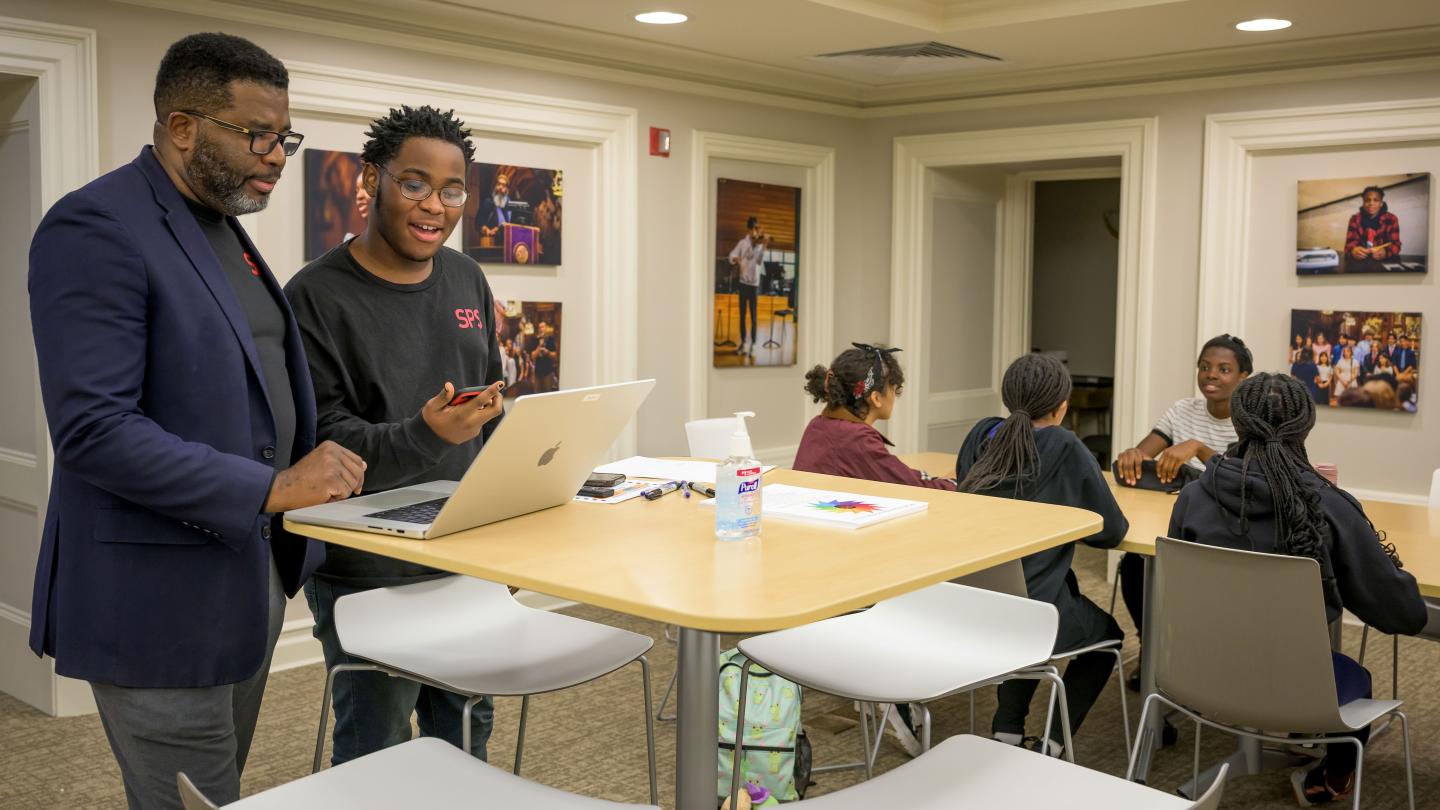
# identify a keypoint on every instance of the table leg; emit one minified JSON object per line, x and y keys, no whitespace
{"x":1156,"y":720}
{"x":697,"y":712}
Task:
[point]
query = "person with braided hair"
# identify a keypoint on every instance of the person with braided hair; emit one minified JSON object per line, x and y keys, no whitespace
{"x":859,"y":389}
{"x":1029,"y":456}
{"x":1264,"y":495}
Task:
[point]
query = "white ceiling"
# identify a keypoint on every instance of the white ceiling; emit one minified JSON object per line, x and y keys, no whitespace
{"x":766,"y":46}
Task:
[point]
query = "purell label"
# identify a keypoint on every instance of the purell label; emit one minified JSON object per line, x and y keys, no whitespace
{"x":749,"y":486}
{"x":745,"y":472}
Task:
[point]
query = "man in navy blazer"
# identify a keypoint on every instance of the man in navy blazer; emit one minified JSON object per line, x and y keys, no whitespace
{"x":177,"y":393}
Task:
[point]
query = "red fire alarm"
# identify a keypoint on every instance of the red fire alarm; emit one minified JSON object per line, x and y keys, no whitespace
{"x":660,"y":142}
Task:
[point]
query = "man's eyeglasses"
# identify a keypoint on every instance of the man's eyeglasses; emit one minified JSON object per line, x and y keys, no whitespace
{"x":419,"y":190}
{"x":262,"y":141}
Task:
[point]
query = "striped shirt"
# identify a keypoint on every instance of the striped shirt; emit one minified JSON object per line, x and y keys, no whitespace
{"x":1190,"y":419}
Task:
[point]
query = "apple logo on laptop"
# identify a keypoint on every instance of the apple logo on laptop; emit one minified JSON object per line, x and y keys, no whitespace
{"x":547,"y":456}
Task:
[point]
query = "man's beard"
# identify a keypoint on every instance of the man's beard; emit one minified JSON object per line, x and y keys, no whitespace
{"x":217,"y":184}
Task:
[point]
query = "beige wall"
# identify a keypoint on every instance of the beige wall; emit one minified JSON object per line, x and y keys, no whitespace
{"x":131,"y":40}
{"x":1181,"y":117}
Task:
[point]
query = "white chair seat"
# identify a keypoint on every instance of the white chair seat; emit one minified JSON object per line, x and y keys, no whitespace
{"x":1358,"y":714}
{"x":421,"y":773}
{"x":966,"y":771}
{"x":471,"y":636}
{"x":917,"y":647}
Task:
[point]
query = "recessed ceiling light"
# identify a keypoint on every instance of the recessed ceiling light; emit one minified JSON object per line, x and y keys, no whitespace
{"x":1264,"y":24}
{"x":661,"y":18}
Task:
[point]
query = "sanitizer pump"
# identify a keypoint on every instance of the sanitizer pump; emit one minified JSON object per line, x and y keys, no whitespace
{"x":737,"y":487}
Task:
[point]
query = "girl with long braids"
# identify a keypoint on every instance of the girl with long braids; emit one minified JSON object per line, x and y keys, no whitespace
{"x":859,"y":389}
{"x":1264,"y":495}
{"x":1028,"y":456}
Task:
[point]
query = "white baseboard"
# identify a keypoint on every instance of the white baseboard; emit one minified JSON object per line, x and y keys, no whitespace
{"x":1391,"y":497}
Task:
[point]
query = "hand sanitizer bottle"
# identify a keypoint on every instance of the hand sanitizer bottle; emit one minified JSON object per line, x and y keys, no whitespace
{"x":737,"y":487}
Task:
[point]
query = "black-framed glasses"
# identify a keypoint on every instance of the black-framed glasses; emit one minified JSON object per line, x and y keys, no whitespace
{"x":419,"y":190}
{"x":262,"y":141}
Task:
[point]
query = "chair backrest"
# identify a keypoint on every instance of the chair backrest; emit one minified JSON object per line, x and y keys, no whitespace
{"x":1004,"y":578}
{"x":1242,"y":637}
{"x":190,"y":796}
{"x":710,"y":438}
{"x":1435,"y":490}
{"x":1211,"y":799}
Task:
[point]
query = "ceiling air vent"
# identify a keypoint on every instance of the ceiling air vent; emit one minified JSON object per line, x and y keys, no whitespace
{"x":917,"y":57}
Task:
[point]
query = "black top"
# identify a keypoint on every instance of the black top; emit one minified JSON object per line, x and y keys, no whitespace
{"x":378,"y":351}
{"x":266,"y":319}
{"x":1068,"y":475}
{"x":1355,"y":571}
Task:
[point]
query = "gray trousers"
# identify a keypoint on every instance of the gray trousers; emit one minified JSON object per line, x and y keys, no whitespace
{"x":204,"y":732}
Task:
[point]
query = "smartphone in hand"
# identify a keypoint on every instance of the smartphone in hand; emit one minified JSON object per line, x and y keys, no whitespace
{"x":466,"y":394}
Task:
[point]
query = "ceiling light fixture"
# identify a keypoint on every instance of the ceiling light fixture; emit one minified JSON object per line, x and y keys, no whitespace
{"x":661,"y":18}
{"x":1264,"y":24}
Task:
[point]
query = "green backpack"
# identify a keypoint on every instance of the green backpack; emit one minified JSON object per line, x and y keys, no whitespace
{"x":777,"y":754}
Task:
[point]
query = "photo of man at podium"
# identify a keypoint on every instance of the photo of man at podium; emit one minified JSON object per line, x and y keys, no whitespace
{"x":501,"y":224}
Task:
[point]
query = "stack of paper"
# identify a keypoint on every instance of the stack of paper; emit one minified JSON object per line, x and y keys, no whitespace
{"x":825,"y":508}
{"x":701,"y":472}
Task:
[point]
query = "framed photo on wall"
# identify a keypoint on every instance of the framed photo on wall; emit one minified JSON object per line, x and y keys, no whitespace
{"x":513,"y":215}
{"x":1351,"y":225}
{"x":757,"y":274}
{"x":1357,"y":359}
{"x":529,"y":335}
{"x":334,"y":207}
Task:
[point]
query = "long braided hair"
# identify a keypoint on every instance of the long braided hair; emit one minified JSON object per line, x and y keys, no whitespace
{"x":1273,"y":414}
{"x":1033,"y":386}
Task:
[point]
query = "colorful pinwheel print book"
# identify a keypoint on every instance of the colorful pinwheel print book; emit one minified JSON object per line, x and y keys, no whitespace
{"x":825,"y":508}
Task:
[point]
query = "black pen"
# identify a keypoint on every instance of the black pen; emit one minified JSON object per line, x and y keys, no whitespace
{"x":702,"y":489}
{"x":655,"y":492}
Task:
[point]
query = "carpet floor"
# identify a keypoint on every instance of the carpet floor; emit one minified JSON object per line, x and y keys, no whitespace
{"x":591,"y":740}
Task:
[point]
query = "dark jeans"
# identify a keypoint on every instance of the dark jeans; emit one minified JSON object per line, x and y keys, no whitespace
{"x":1082,"y":623}
{"x":749,"y":301}
{"x":1352,"y":682}
{"x":372,"y":709}
{"x":1132,"y":588}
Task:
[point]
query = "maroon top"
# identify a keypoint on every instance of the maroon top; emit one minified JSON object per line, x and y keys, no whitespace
{"x":856,"y":450}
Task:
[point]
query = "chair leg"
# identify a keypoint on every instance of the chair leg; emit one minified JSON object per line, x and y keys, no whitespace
{"x":740,"y":733}
{"x":972,"y":711}
{"x":925,"y":738}
{"x":660,"y":714}
{"x":325,"y":701}
{"x":649,"y":733}
{"x":1364,"y":637}
{"x":1409,"y":766}
{"x":1395,"y":669}
{"x":520,"y":739}
{"x":865,"y":717}
{"x":1359,"y":766}
{"x":1124,"y":703}
{"x":1143,"y":738}
{"x":466,"y":734}
{"x":1195,"y":767}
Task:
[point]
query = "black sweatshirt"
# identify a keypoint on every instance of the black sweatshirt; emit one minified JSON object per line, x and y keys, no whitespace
{"x":1355,"y":571}
{"x":1067,"y":476}
{"x":377,"y":352}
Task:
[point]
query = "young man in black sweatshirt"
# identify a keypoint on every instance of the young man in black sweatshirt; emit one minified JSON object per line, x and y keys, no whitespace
{"x":388,"y":319}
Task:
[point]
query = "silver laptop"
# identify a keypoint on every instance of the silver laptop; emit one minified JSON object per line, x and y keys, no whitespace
{"x":538,"y":457}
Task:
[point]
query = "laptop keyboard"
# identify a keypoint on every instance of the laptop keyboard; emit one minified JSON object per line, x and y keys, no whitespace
{"x":421,"y":513}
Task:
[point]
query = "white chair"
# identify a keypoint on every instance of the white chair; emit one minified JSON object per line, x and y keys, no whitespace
{"x":1432,"y":607}
{"x":1010,"y":578}
{"x":423,"y":773}
{"x":471,"y":637}
{"x":707,"y":438}
{"x":916,"y":648}
{"x":710,"y":438}
{"x":968,"y":771}
{"x":1219,"y":613}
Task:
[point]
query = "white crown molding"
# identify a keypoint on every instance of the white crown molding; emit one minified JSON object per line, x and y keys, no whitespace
{"x":1231,"y":142}
{"x":485,"y":36}
{"x":817,"y":250}
{"x":1132,"y":141}
{"x":945,"y":16}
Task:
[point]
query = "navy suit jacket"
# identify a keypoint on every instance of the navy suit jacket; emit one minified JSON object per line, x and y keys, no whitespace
{"x":155,"y":560}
